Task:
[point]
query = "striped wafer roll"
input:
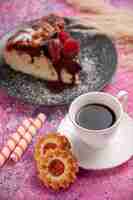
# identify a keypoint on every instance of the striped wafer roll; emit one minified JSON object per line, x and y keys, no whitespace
{"x":13,"y":141}
{"x":27,"y":137}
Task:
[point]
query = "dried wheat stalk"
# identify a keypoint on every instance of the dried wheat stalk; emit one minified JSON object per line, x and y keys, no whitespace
{"x":116,"y":23}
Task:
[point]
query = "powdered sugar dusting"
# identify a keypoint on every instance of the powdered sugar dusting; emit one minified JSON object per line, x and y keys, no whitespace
{"x":29,"y":30}
{"x":23,"y":37}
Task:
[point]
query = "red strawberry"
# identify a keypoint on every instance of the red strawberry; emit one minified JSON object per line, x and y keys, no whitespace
{"x":63,"y":36}
{"x":55,"y":47}
{"x":71,"y":48}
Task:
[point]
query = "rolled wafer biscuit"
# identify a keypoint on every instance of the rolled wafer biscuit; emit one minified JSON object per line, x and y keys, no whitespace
{"x":27,"y":137}
{"x":13,"y":140}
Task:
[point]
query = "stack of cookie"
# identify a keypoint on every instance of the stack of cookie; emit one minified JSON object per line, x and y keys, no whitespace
{"x":56,"y":165}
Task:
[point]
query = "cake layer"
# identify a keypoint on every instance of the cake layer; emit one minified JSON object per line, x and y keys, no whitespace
{"x":40,"y":67}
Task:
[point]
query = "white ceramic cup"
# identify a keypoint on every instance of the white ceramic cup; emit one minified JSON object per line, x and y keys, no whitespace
{"x":98,"y":138}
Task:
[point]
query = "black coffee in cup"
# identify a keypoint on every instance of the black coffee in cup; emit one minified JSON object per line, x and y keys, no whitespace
{"x":95,"y":117}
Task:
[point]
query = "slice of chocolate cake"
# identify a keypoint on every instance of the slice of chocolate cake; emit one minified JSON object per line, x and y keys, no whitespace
{"x":45,"y":51}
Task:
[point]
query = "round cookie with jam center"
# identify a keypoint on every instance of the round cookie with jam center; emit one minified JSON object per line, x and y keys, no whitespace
{"x":50,"y":141}
{"x":58,"y":168}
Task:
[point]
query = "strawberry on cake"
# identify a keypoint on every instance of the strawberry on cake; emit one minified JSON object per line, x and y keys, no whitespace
{"x":46,"y":51}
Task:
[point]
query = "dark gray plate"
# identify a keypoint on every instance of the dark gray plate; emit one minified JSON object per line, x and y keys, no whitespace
{"x":98,"y":58}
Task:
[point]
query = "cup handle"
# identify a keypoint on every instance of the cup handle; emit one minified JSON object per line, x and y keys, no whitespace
{"x":123,"y":98}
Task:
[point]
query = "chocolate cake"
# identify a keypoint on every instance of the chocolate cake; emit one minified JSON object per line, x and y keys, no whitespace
{"x":46,"y":51}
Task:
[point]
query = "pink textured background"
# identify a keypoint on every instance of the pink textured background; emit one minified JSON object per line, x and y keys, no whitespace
{"x":20,"y":182}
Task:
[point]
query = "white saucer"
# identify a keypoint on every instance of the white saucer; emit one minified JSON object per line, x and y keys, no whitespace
{"x":117,"y":152}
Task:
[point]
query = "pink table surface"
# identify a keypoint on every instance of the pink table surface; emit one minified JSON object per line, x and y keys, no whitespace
{"x":20,"y":182}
